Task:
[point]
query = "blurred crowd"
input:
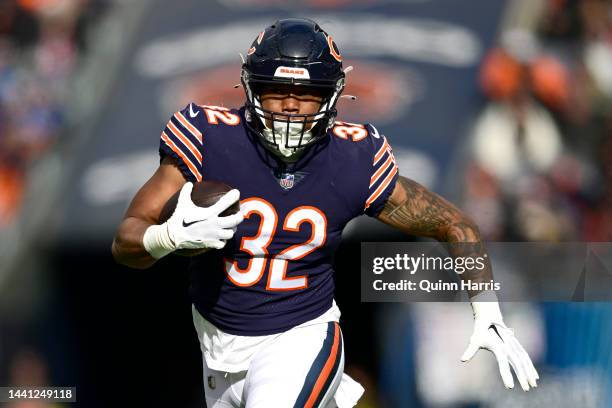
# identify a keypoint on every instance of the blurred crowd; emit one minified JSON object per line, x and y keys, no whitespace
{"x":540,"y":165}
{"x":41,"y":45}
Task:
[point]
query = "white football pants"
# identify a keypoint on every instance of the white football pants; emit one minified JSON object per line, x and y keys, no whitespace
{"x":302,"y":367}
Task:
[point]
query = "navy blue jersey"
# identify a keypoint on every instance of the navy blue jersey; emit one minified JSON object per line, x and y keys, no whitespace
{"x":276,"y":272}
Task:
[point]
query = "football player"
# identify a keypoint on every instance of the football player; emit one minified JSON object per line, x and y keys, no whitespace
{"x":263,"y":295}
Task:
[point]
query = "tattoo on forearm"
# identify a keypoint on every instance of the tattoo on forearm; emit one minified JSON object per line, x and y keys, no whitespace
{"x":418,"y":211}
{"x":423,"y":212}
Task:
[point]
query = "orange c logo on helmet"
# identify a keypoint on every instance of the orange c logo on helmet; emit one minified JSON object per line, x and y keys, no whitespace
{"x":259,"y":38}
{"x":333,"y":49}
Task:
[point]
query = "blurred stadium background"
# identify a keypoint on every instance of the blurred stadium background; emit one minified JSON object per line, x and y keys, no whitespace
{"x":502,"y":106}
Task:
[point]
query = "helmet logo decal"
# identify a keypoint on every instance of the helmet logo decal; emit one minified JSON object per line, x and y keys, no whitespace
{"x":251,"y":50}
{"x":261,"y":35}
{"x":333,"y":49}
{"x":289,"y":72}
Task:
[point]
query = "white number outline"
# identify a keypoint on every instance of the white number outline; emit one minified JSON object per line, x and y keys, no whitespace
{"x":356,"y":131}
{"x":258,"y":251}
{"x":214,"y":113}
{"x":277,"y":280}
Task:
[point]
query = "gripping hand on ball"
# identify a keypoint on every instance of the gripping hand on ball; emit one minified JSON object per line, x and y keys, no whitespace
{"x":193,"y":227}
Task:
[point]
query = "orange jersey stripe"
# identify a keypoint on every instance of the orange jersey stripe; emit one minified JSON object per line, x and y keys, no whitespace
{"x":381,"y":152}
{"x":186,"y":160}
{"x":381,"y":170}
{"x":195,"y":132}
{"x":194,"y":150}
{"x":327,"y":368}
{"x":382,"y":187}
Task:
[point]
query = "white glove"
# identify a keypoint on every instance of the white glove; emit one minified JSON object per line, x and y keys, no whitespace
{"x":491,"y":333}
{"x":193,"y":227}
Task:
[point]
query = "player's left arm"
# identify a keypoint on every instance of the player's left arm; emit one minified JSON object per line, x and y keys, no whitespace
{"x":417,"y":211}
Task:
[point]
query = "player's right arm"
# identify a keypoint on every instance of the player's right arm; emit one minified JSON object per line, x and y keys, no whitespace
{"x":140,"y":240}
{"x":144,"y":210}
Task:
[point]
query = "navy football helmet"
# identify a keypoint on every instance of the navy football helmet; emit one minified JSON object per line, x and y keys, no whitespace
{"x":292,"y":52}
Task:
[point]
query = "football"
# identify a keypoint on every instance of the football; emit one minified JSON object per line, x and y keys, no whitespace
{"x":204,"y":194}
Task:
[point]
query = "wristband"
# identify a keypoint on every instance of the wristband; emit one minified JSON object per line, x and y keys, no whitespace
{"x":157,"y":242}
{"x":486,"y":304}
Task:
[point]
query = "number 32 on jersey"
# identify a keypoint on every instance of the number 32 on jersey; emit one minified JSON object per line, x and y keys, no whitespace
{"x":257,"y":246}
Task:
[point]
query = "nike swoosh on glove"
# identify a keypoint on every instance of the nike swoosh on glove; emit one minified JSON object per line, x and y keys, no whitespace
{"x":194,"y":227}
{"x":491,"y":333}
